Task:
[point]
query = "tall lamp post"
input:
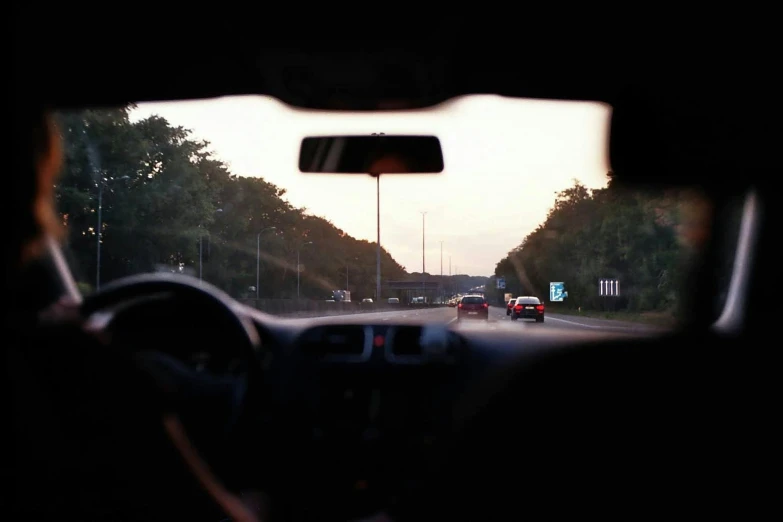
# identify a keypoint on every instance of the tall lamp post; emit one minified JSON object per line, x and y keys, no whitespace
{"x":423,"y":289}
{"x":201,"y":250}
{"x":348,"y":262}
{"x":101,"y":182}
{"x":441,"y":271}
{"x":299,"y":267}
{"x":451,"y":283}
{"x":258,"y":258}
{"x":378,"y":238}
{"x":377,"y":176}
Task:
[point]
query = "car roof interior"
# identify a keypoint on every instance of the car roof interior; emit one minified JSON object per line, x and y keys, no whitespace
{"x":695,"y":399}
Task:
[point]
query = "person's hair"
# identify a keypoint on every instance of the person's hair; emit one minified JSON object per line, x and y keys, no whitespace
{"x":37,"y":161}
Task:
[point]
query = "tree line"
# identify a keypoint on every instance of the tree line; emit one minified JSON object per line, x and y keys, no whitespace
{"x":636,"y":237}
{"x":166,"y":203}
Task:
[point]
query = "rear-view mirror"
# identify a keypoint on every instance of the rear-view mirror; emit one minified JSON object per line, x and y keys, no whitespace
{"x":375,"y":154}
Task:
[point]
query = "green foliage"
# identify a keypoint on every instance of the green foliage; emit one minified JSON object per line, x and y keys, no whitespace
{"x":608,"y":233}
{"x":167,"y":202}
{"x":165,"y":198}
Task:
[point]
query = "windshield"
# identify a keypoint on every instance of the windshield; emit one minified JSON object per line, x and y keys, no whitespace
{"x":526,"y":204}
{"x":472,"y":300}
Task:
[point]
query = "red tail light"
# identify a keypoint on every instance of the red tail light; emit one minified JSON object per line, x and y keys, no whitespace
{"x":485,"y":305}
{"x":459,"y":305}
{"x":540,"y":308}
{"x":518,"y":307}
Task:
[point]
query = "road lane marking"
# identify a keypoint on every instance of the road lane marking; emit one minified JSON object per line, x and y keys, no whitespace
{"x":596,"y":327}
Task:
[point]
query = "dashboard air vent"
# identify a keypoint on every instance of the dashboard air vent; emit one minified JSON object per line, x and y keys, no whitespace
{"x":342,"y":342}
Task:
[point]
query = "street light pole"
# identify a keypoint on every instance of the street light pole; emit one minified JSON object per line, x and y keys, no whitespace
{"x":377,"y":176}
{"x":451,"y":283}
{"x":378,"y":239}
{"x":258,"y":258}
{"x":99,"y":234}
{"x":441,"y":270}
{"x":92,"y":157}
{"x":100,"y":229}
{"x":423,"y":289}
{"x":201,"y":249}
{"x":258,"y":264}
{"x":298,"y":267}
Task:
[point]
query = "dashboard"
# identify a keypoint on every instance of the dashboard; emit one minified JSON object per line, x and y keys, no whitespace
{"x":352,"y":415}
{"x":366,"y":405}
{"x":370,"y":407}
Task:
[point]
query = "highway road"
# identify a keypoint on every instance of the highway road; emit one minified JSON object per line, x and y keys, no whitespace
{"x":498,"y":320}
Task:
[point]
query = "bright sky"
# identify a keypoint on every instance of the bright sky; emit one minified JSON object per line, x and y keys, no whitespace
{"x":504,"y":160}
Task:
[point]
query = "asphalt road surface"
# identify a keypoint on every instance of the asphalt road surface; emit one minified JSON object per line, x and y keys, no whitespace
{"x":498,"y":320}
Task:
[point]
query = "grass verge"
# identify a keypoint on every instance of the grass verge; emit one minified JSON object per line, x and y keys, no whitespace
{"x":651,"y":318}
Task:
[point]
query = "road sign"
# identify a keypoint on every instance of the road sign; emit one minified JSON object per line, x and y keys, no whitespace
{"x":557,"y":292}
{"x":501,"y":283}
{"x":609,"y":287}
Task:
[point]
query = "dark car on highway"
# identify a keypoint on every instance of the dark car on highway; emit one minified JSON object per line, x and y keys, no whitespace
{"x":473,"y":307}
{"x":528,"y":307}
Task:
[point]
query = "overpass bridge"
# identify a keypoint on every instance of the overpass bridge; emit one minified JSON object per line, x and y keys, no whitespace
{"x":407,"y":290}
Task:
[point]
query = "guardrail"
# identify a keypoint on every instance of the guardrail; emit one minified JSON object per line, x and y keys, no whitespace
{"x":306,"y":307}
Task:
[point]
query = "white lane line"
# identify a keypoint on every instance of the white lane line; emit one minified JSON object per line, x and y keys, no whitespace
{"x":550,"y":318}
{"x":452,"y":321}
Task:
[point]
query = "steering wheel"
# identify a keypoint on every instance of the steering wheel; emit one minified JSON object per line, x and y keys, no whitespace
{"x":194,"y":292}
{"x":213,"y":405}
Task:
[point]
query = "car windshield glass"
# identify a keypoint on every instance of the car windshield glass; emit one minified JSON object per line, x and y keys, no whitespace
{"x":203,"y":190}
{"x":472,"y":300}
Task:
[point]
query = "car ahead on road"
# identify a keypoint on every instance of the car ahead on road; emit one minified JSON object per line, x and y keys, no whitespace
{"x":510,"y":305}
{"x":473,"y":307}
{"x":528,"y":307}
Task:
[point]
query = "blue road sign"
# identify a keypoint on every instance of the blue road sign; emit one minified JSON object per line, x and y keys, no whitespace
{"x":557,"y":292}
{"x":501,"y":283}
